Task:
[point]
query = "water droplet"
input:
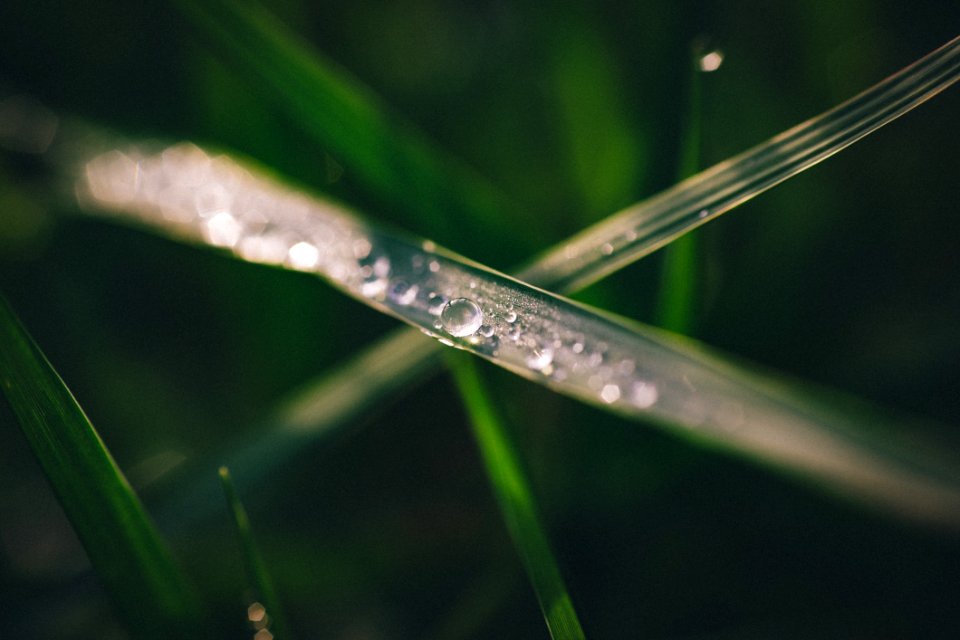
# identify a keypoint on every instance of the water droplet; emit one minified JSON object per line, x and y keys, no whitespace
{"x":539,"y":357}
{"x":303,"y":255}
{"x":703,"y":213}
{"x":644,"y":394}
{"x":223,"y":230}
{"x":577,"y":347}
{"x":486,"y":330}
{"x":381,"y":267}
{"x":610,"y":393}
{"x":436,"y":302}
{"x":606,"y":249}
{"x":461,"y":317}
{"x":710,"y":61}
{"x":402,"y":292}
{"x":361,"y":248}
{"x":373,"y":288}
{"x":434,"y":266}
{"x":510,"y":316}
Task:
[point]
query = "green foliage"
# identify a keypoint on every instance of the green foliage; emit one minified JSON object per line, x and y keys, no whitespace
{"x":516,"y":501}
{"x":256,"y":567}
{"x":842,"y":276}
{"x":126,"y":550}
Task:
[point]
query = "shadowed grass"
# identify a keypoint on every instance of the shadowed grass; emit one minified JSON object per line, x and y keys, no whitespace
{"x":376,"y":146}
{"x":253,"y":561}
{"x":679,"y":280}
{"x":152,"y":595}
{"x":516,"y":501}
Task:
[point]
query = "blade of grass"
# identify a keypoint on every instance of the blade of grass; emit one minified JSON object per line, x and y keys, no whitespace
{"x":516,"y":502}
{"x":643,"y":228}
{"x":152,"y":596}
{"x":607,"y":361}
{"x":391,"y":159}
{"x":678,"y":281}
{"x":256,"y":568}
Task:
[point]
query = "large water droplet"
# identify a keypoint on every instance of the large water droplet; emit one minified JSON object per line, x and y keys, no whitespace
{"x":461,"y":317}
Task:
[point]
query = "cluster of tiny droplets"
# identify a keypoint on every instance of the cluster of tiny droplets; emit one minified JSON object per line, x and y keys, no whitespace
{"x":217,"y":201}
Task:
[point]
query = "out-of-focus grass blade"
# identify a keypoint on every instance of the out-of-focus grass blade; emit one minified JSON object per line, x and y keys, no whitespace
{"x":137,"y":569}
{"x":376,"y":146}
{"x":516,"y":502}
{"x":678,"y":282}
{"x":271,"y":615}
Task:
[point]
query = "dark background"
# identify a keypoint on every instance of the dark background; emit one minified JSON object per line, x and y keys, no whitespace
{"x":845,"y":276}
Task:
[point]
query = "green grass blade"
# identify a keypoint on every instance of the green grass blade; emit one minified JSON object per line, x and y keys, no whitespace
{"x":152,"y":595}
{"x":612,"y":363}
{"x":253,"y":560}
{"x":679,"y":278}
{"x":516,"y":502}
{"x":376,"y":147}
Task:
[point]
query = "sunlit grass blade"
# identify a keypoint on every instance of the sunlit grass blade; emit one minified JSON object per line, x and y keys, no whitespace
{"x":376,"y":147}
{"x":606,"y":361}
{"x":645,"y":227}
{"x":680,"y":276}
{"x":566,"y":268}
{"x":151,"y":593}
{"x":516,"y":502}
{"x":268,"y":615}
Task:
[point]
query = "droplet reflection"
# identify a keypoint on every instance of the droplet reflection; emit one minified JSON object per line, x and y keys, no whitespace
{"x":461,"y":317}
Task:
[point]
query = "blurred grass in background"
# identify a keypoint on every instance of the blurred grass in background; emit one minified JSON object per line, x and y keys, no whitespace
{"x":845,"y":276}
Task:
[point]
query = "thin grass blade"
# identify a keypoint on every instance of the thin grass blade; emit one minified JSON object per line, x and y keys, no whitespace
{"x":603,"y":360}
{"x":516,"y":502}
{"x":376,"y":146}
{"x":322,"y":406}
{"x":680,"y":276}
{"x":269,"y":615}
{"x":152,"y":595}
{"x":641,"y":229}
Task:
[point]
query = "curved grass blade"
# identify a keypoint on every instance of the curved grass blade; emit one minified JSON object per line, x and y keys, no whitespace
{"x":269,"y":615}
{"x":376,"y":146}
{"x":516,"y":502}
{"x":151,"y":594}
{"x":606,"y":361}
{"x":565,"y":268}
{"x":643,"y":228}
